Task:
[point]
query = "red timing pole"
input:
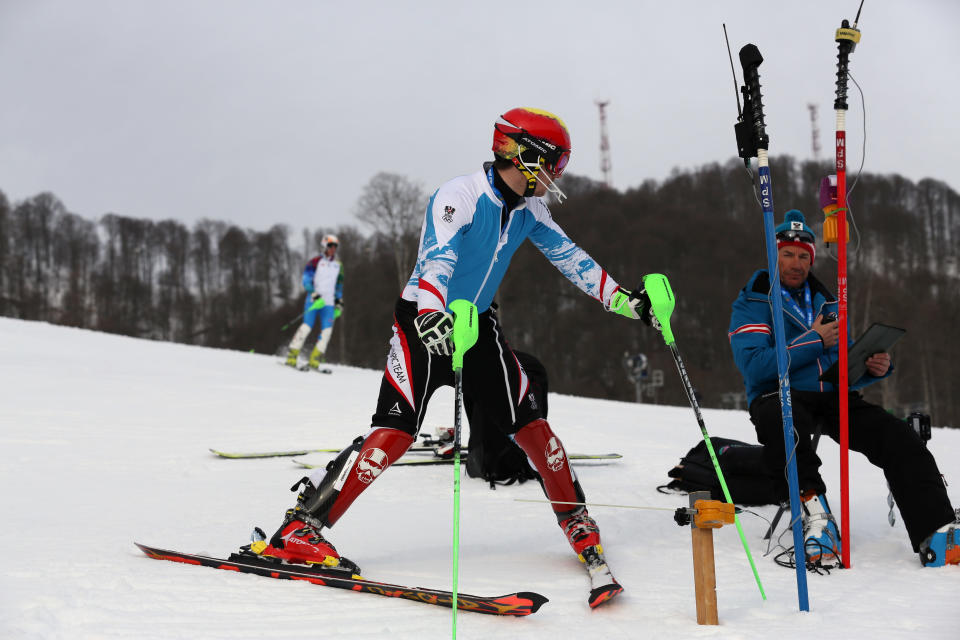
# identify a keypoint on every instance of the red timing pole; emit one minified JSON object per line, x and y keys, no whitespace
{"x":847,"y":38}
{"x":842,"y":319}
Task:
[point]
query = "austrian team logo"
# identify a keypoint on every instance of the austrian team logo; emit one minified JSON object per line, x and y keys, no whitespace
{"x":448,"y":213}
{"x":371,"y":464}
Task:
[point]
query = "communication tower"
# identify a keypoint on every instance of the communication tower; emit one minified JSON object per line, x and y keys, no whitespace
{"x":815,"y":130}
{"x":604,"y":143}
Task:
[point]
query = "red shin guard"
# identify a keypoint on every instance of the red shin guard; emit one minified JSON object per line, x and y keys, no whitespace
{"x":379,"y":450}
{"x":547,"y":454}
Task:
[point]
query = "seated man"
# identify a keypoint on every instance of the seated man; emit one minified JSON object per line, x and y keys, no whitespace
{"x":812,"y":336}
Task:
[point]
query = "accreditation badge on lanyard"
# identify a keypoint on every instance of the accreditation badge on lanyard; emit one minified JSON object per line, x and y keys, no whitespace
{"x":807,"y":311}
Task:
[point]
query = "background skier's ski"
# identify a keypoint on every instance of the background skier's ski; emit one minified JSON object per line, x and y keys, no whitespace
{"x":574,"y":457}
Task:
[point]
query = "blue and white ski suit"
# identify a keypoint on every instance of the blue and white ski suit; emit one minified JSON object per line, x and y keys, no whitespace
{"x":464,"y":254}
{"x":323,"y":276}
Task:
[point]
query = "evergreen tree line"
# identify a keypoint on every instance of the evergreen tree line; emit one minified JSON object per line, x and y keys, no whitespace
{"x":222,"y":286}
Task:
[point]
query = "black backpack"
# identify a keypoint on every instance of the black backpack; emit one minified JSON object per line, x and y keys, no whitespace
{"x":747,"y":478}
{"x":491,"y":455}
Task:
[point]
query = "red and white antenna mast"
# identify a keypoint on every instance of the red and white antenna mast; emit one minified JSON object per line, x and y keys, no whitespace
{"x":814,"y":130}
{"x":604,"y":144}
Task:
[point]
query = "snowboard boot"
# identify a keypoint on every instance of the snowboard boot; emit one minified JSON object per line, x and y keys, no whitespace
{"x":821,"y":539}
{"x":942,"y":547}
{"x":316,"y":357}
{"x":292,"y":355}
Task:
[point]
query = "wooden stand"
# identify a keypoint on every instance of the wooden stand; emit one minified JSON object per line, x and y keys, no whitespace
{"x":708,"y":515}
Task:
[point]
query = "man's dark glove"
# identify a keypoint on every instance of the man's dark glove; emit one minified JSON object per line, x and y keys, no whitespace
{"x":337,"y":307}
{"x":632,"y":304}
{"x":435,"y":329}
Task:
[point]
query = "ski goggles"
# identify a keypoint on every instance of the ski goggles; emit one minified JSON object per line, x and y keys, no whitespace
{"x":332,"y":244}
{"x":796,"y":235}
{"x":557,"y":167}
{"x":551,"y":157}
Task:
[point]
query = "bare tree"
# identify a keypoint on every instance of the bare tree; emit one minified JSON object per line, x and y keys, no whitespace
{"x":392,"y":205}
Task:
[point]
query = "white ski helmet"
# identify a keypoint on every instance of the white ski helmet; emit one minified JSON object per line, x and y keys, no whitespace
{"x":330,"y":239}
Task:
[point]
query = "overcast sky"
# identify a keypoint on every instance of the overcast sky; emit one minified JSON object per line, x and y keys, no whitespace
{"x":264,"y":112}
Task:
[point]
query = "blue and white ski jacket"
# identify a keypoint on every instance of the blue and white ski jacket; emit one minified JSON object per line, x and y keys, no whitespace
{"x":464,"y":254}
{"x":754,"y":349}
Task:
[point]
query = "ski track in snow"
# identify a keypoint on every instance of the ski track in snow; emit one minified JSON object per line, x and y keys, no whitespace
{"x":105,"y":439}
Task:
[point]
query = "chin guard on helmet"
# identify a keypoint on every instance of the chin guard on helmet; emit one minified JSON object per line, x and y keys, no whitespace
{"x":529,"y":172}
{"x":532,"y":172}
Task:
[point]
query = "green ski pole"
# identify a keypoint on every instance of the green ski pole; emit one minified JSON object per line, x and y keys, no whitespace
{"x":317,"y":304}
{"x":661,"y":306}
{"x":464,"y":336}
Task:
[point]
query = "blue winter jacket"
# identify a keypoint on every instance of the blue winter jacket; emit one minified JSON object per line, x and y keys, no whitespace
{"x":754,"y":349}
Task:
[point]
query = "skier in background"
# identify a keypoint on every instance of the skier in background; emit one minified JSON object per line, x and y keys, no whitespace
{"x":812,"y":337}
{"x":323,"y":280}
{"x":472,"y":227}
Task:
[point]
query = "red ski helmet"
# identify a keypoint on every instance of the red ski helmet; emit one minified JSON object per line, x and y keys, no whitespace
{"x":540,"y":137}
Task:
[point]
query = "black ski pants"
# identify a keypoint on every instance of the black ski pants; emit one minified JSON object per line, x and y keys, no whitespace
{"x":492,"y":376}
{"x":887,"y":441}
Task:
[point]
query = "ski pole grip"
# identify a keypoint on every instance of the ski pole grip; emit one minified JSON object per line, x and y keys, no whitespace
{"x":750,"y":60}
{"x":465,"y":329}
{"x":662,"y":302}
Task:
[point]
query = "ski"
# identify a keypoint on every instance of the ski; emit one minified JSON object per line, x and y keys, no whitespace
{"x":305,"y":367}
{"x":268,"y":454}
{"x":603,"y":586}
{"x":403,"y":462}
{"x":522,"y":603}
{"x":318,"y":370}
{"x":299,"y":452}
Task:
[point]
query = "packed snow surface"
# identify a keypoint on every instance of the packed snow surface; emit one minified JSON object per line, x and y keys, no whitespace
{"x":105,"y":442}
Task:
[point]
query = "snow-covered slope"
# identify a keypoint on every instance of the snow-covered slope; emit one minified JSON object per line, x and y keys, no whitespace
{"x":104,"y":441}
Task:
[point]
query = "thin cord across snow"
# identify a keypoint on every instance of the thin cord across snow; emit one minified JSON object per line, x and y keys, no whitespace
{"x":594,"y":504}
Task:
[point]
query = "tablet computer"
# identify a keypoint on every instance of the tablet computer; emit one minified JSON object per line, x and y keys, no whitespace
{"x":878,"y":338}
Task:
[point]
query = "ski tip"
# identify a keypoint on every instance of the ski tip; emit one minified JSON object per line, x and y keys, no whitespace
{"x":604,"y":594}
{"x":536,"y":600}
{"x":153,"y":552}
{"x":516,"y":604}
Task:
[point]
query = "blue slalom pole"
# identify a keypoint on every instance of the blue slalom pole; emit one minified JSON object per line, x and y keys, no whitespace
{"x":752,"y":137}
